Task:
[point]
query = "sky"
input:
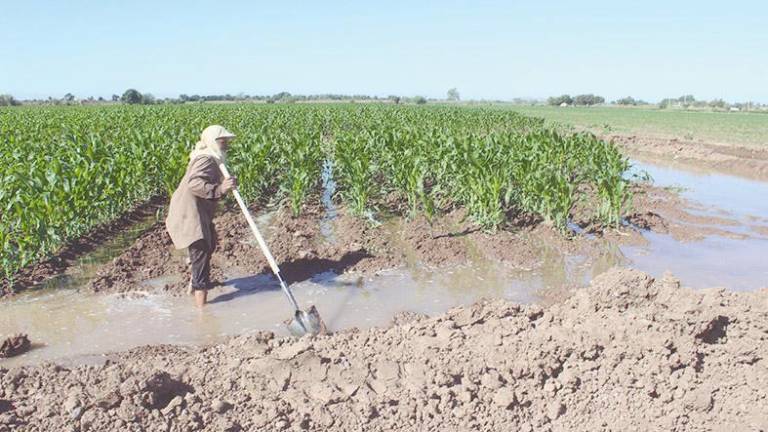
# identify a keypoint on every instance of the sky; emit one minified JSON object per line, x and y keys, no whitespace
{"x":486,"y":49}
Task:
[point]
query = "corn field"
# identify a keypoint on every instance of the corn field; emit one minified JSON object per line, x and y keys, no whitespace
{"x":67,"y":170}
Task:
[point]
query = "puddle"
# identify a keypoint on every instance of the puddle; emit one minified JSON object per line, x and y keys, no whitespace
{"x":716,"y":261}
{"x":75,"y":326}
{"x":739,"y":265}
{"x":78,"y":327}
{"x":331,"y":212}
{"x":716,"y":194}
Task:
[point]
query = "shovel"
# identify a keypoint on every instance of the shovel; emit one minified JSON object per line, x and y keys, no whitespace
{"x":303,"y":322}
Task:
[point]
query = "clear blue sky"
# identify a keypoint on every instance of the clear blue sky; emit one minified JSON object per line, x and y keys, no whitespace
{"x":487,"y":49}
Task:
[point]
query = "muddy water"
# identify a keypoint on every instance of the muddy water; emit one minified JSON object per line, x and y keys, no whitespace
{"x":716,"y":261}
{"x":77,"y":328}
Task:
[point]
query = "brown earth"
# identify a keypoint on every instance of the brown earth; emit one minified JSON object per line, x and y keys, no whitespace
{"x":294,"y":242}
{"x":627,"y":353}
{"x":357,"y":246}
{"x":734,"y":159}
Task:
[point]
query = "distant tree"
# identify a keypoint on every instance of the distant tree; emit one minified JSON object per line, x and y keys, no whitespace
{"x":667,"y":102}
{"x":284,"y":95}
{"x":420,"y":100}
{"x":717,"y":103}
{"x":115,"y":98}
{"x":147,"y":99}
{"x":101,"y":99}
{"x":453,"y":95}
{"x":629,"y":100}
{"x":69,"y":98}
{"x":686,"y":100}
{"x":394,"y":98}
{"x":588,"y":99}
{"x":8,"y":100}
{"x":559,"y":100}
{"x":131,"y":97}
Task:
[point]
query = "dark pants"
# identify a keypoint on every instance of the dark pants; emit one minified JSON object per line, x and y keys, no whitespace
{"x":200,"y":258}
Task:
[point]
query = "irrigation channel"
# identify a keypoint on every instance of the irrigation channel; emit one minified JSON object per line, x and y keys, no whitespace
{"x":75,"y":327}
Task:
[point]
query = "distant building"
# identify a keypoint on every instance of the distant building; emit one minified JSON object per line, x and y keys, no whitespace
{"x":735,"y":109}
{"x":564,"y":104}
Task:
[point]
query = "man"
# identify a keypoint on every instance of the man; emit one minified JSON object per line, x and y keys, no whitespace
{"x":193,"y":204}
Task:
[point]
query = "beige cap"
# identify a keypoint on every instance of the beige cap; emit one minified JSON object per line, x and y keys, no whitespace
{"x":215,"y":132}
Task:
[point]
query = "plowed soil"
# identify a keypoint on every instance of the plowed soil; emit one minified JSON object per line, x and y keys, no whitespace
{"x":627,"y":353}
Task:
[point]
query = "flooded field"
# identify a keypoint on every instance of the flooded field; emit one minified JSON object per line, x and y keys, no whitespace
{"x":734,"y":262}
{"x":77,"y":327}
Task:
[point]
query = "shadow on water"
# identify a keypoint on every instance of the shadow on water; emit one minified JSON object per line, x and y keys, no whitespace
{"x":296,"y":271}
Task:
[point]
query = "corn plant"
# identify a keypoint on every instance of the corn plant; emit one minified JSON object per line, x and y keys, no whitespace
{"x":70,"y":169}
{"x":355,"y":172}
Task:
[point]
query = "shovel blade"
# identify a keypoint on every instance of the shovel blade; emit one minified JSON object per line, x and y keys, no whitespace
{"x":306,"y":322}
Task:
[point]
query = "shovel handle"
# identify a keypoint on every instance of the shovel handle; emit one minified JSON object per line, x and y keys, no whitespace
{"x":260,"y":240}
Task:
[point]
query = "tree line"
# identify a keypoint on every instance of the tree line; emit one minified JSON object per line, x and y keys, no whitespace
{"x":582,"y":99}
{"x":135,"y":97}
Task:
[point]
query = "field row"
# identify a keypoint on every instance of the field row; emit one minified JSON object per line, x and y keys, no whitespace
{"x":69,"y":169}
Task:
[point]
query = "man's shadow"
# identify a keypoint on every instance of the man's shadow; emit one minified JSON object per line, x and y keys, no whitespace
{"x":295,"y":271}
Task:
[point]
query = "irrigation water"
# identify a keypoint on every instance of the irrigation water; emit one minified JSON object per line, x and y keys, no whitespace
{"x":72,"y":326}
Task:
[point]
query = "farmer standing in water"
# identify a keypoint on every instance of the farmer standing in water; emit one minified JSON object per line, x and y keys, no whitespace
{"x":190,"y":215}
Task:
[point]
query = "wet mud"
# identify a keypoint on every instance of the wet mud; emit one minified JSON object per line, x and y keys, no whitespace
{"x":749,"y":162}
{"x":15,"y":345}
{"x":311,"y":243}
{"x":627,"y":353}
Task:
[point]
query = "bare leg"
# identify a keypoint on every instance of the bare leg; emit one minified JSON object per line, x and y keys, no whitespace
{"x":200,"y":259}
{"x":201,"y":298}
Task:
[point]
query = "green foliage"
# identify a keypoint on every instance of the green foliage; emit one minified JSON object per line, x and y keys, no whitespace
{"x":559,"y":100}
{"x":68,"y":169}
{"x":629,"y":100}
{"x":8,"y":100}
{"x":302,"y":165}
{"x":355,"y":170}
{"x":131,"y":97}
{"x":588,"y":100}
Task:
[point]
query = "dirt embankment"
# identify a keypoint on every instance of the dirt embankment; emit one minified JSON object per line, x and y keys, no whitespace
{"x":627,"y":353}
{"x":743,"y":161}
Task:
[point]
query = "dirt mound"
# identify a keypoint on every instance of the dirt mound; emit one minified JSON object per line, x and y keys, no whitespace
{"x":148,"y":257}
{"x":15,"y":345}
{"x":627,"y":353}
{"x":295,"y":242}
{"x":750,"y":162}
